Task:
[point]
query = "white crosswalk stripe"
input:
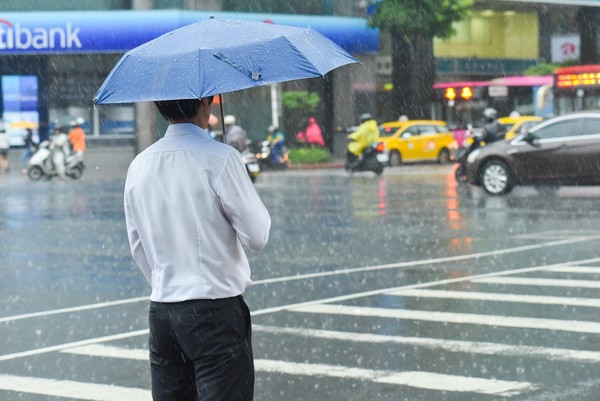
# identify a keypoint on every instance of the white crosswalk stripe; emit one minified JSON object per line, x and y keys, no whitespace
{"x":500,"y":297}
{"x":415,"y":378}
{"x":575,"y":269}
{"x":576,"y":326}
{"x":426,"y":380}
{"x":546,"y":282}
{"x":72,"y":389}
{"x":472,"y":347}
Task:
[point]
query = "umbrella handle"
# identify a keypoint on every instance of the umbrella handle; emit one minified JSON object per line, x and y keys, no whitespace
{"x":222,"y":118}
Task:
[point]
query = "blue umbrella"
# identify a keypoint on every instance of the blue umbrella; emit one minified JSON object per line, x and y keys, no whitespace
{"x":215,"y":56}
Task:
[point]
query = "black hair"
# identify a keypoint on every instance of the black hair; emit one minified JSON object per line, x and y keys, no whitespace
{"x":173,"y":110}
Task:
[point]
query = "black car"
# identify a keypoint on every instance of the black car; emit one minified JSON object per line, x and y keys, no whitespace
{"x":563,"y":150}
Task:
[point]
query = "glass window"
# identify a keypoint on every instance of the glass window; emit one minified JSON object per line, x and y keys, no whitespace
{"x":427,"y":129}
{"x":387,"y":131}
{"x":558,"y":129}
{"x":590,"y":126}
{"x":414,"y":130}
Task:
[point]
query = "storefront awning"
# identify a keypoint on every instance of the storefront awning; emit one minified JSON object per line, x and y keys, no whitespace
{"x":119,"y":31}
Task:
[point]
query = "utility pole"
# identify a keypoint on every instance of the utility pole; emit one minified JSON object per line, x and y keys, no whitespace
{"x":145,"y":112}
{"x":206,"y":5}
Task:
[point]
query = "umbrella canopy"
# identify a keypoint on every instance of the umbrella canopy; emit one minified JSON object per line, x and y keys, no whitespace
{"x":215,"y":56}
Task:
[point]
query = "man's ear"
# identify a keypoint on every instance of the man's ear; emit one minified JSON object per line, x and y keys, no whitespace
{"x":205,"y":101}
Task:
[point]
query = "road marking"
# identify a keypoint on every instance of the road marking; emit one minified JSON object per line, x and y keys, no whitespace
{"x":72,"y":389}
{"x":330,"y":273}
{"x":428,"y":261}
{"x":427,"y":380}
{"x":109,"y":351}
{"x":282,"y":308}
{"x":469,"y":347}
{"x":555,"y":234}
{"x":60,"y":347}
{"x":576,"y":269}
{"x":500,"y":297}
{"x":72,"y":309}
{"x":576,"y":326}
{"x":545,"y":282}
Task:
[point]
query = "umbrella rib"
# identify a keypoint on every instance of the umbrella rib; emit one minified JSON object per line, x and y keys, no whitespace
{"x":254,"y":75}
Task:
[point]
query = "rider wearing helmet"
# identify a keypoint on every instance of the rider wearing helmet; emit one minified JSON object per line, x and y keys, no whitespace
{"x":366,"y":133}
{"x":276,"y":140}
{"x":493,"y":131}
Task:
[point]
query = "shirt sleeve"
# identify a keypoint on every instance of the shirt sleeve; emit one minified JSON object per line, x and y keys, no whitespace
{"x":242,"y":204}
{"x":135,"y":243}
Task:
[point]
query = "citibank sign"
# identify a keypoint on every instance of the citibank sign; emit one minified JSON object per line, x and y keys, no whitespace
{"x":119,"y":31}
{"x":17,"y":37}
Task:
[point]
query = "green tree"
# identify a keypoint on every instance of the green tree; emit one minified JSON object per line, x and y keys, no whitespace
{"x":412,"y":25}
{"x":298,"y":105}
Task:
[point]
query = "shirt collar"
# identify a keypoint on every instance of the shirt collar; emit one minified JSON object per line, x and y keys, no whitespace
{"x":185,"y":129}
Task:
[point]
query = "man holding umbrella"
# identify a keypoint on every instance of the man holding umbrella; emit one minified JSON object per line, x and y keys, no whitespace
{"x":190,"y":208}
{"x":190,"y":205}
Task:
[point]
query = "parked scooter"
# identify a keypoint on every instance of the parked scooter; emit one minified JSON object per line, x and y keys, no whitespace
{"x":41,"y":164}
{"x":368,"y":160}
{"x":251,"y":162}
{"x":266,"y":159}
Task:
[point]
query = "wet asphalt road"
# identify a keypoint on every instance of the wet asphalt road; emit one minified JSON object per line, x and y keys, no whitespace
{"x":403,"y":287}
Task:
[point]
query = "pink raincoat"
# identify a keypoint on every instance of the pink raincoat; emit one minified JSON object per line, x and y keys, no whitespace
{"x":313,"y":133}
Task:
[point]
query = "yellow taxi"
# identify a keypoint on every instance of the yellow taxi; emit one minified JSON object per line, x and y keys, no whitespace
{"x":416,"y":140}
{"x":514,"y":125}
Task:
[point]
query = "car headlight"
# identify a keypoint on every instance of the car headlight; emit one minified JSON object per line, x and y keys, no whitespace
{"x":473,"y":155}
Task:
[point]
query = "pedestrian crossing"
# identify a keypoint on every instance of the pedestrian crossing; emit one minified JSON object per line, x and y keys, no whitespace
{"x":527,"y":290}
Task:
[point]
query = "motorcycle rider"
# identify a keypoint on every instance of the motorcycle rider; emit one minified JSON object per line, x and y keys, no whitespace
{"x":235,"y":135}
{"x":60,"y":149}
{"x":77,"y":137}
{"x":276,"y":140}
{"x":493,"y":131}
{"x":366,"y":133}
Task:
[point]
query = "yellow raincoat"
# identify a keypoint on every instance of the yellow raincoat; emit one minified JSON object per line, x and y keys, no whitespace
{"x":366,"y":134}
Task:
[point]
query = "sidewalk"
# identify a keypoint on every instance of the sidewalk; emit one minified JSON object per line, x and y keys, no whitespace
{"x":110,"y":161}
{"x":100,"y":161}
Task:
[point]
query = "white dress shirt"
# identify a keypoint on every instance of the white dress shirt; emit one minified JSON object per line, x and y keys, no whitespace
{"x":189,"y":208}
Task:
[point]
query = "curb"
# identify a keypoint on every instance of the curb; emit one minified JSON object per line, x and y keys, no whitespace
{"x":314,"y":166}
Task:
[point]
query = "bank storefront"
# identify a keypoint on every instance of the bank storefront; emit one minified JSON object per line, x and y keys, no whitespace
{"x":52,"y":63}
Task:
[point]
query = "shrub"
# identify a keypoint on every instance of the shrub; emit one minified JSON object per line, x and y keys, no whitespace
{"x":309,"y":155}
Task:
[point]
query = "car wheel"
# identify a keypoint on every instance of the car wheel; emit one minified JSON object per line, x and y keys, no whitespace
{"x":35,"y":173}
{"x":496,"y":178}
{"x":395,"y":158}
{"x":444,"y":156}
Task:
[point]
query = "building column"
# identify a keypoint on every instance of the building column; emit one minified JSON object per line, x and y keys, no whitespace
{"x":145,"y":113}
{"x":587,"y":24}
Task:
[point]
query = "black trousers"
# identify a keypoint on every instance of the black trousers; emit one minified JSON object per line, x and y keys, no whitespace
{"x":201,"y":350}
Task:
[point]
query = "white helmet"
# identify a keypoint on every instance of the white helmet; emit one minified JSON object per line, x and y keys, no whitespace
{"x":490,"y":113}
{"x":229,"y":120}
{"x":76,"y":122}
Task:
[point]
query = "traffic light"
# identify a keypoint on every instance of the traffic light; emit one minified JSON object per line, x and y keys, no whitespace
{"x":450,"y":94}
{"x":466,"y":93}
